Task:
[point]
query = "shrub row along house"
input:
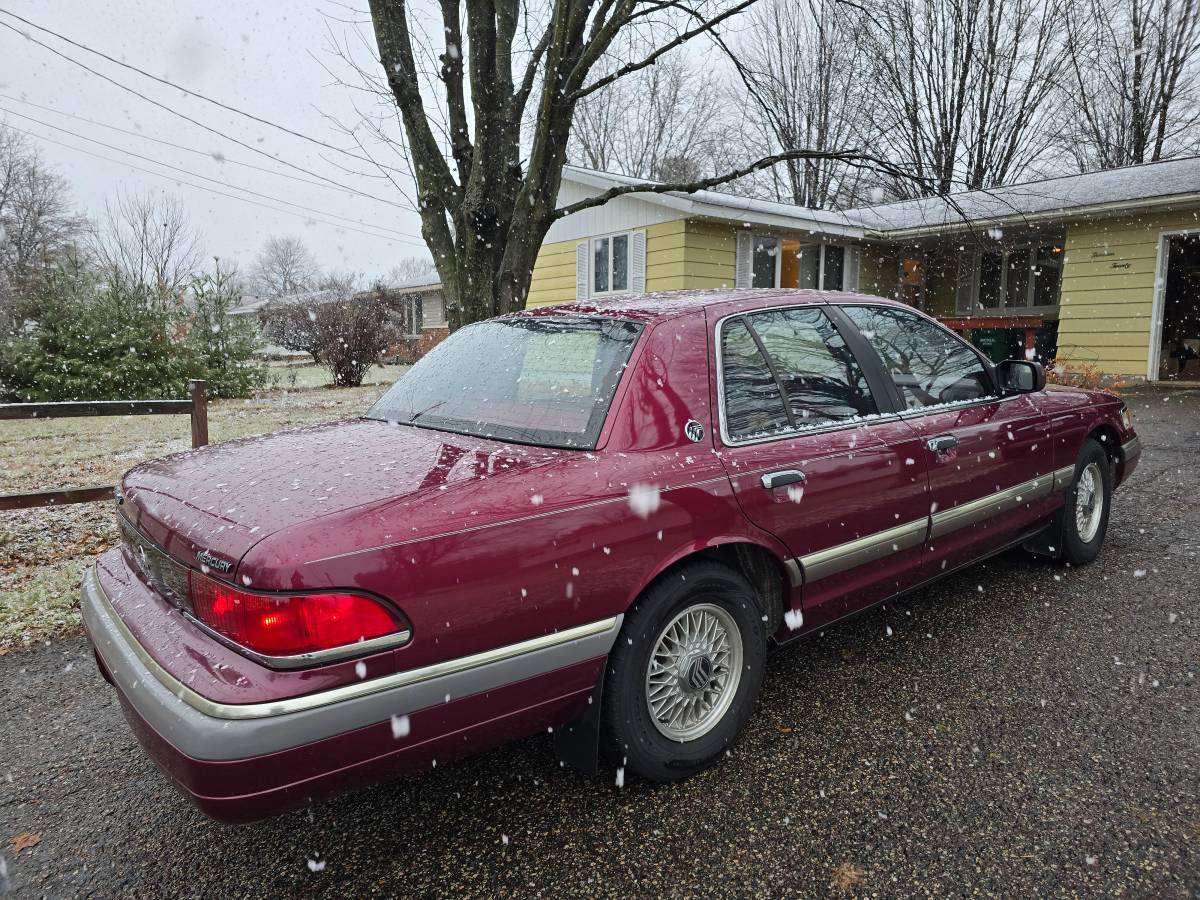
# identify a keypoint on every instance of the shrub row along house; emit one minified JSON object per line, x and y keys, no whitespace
{"x":1100,"y":269}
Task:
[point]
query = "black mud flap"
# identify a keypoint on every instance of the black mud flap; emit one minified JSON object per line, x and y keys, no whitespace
{"x":578,"y":743}
{"x":1048,"y":541}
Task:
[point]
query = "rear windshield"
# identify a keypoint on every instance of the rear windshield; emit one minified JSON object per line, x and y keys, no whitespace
{"x":546,"y":381}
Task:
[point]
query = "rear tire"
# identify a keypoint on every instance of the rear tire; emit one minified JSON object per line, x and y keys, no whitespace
{"x":1085,"y":514}
{"x":685,"y":672}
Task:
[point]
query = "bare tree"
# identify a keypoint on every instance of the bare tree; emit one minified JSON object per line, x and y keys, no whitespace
{"x":656,"y":123}
{"x":409,"y":269}
{"x":147,"y":239}
{"x":37,"y":226}
{"x":345,"y":331}
{"x":801,"y":68}
{"x":487,"y":202}
{"x":965,"y":88}
{"x":1134,"y":68}
{"x":284,"y":266}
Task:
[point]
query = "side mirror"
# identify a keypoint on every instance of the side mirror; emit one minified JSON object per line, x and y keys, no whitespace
{"x":1019,"y":376}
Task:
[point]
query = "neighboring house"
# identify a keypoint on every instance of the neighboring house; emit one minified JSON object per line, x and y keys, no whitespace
{"x":416,"y":304}
{"x":422,"y":311}
{"x":1101,"y":268}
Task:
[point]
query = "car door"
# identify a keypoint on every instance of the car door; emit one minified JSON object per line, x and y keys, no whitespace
{"x":987,"y":455}
{"x":817,"y":459}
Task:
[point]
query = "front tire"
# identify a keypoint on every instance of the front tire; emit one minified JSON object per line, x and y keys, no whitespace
{"x":685,"y":672}
{"x":1085,"y":515}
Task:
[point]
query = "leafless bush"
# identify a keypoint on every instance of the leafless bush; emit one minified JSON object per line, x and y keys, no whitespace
{"x":343,"y":331}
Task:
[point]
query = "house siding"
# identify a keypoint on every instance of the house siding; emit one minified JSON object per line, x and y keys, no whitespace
{"x":1108,"y":289}
{"x":680,"y":255}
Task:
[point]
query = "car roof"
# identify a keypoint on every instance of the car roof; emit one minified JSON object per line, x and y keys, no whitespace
{"x":724,"y":301}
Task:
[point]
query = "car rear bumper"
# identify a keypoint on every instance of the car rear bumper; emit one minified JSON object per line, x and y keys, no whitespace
{"x":245,"y":762}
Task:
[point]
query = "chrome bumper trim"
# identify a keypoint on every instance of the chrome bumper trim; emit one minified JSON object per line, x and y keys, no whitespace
{"x":604,"y":631}
{"x":977,"y":511}
{"x":833,"y":560}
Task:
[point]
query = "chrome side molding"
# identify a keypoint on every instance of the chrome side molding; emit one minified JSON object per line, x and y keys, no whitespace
{"x":871,"y":547}
{"x":976,"y":511}
{"x":1063,"y":478}
{"x":863,"y":550}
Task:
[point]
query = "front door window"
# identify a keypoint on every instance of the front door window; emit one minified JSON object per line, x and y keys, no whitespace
{"x":786,"y":370}
{"x":929,"y":365}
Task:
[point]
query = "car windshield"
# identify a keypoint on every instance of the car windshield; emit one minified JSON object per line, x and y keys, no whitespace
{"x":530,"y":380}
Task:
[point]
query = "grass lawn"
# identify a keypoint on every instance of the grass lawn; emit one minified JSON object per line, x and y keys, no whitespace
{"x":44,"y":551}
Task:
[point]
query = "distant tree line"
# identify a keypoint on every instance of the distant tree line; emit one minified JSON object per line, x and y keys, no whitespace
{"x":959,"y":94}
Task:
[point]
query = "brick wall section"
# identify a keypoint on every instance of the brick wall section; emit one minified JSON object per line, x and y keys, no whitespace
{"x":409,"y":351}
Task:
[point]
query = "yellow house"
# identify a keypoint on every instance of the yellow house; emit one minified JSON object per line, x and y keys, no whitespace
{"x":1101,"y":268}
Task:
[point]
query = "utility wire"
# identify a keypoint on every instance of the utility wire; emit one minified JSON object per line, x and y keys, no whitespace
{"x":188,"y":91}
{"x":221,"y":158}
{"x":400,"y":235}
{"x":200,"y":187}
{"x":199,"y":124}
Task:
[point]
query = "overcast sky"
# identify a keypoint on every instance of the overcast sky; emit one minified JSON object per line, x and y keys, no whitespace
{"x":255,"y":55}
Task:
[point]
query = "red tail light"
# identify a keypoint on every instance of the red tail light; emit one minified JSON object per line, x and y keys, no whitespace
{"x":287,"y":625}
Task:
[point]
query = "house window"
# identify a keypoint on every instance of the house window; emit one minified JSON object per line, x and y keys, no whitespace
{"x":782,"y":262}
{"x":1019,"y":278}
{"x":412,"y":316}
{"x":610,"y":264}
{"x":766,"y":262}
{"x":1047,"y":275}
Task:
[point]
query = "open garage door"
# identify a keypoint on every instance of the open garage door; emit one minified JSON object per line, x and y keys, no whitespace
{"x":1179,"y":352}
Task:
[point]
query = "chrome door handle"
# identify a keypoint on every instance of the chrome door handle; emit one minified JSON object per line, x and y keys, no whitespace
{"x":773,"y":480}
{"x":942,"y":443}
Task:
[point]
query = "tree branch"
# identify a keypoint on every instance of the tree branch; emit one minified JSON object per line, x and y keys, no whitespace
{"x":650,"y":59}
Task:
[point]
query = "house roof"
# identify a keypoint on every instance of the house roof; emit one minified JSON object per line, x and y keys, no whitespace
{"x":415,"y":285}
{"x":720,"y":205}
{"x":1130,"y":187}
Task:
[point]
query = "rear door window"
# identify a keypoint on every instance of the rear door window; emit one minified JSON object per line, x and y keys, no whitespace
{"x":786,"y":370}
{"x":753,"y":402}
{"x":929,"y":366}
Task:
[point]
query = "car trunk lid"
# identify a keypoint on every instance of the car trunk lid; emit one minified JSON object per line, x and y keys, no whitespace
{"x":207,"y":507}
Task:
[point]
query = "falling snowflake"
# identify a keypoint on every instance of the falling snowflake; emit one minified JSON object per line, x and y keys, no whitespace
{"x":644,"y":500}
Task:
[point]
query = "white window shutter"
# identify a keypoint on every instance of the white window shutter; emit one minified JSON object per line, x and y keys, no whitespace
{"x":850,"y":268}
{"x":581,"y":270}
{"x":743,"y":270}
{"x":637,"y":262}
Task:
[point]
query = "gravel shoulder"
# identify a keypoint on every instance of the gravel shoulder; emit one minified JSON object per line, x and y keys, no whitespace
{"x":1020,"y":729}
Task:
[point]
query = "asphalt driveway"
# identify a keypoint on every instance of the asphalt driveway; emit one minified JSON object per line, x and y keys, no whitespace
{"x":1018,"y":730}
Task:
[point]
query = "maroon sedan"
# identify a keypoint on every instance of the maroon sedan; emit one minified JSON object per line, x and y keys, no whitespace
{"x":591,"y":519}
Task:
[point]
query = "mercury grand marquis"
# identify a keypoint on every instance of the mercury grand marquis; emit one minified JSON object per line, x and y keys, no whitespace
{"x":593,"y":519}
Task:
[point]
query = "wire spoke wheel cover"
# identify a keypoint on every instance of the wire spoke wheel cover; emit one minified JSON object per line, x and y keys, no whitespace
{"x":1089,"y":502}
{"x":694,"y":672}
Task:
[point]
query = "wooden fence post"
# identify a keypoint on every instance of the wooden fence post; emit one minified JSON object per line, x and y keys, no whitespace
{"x":198,"y":394}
